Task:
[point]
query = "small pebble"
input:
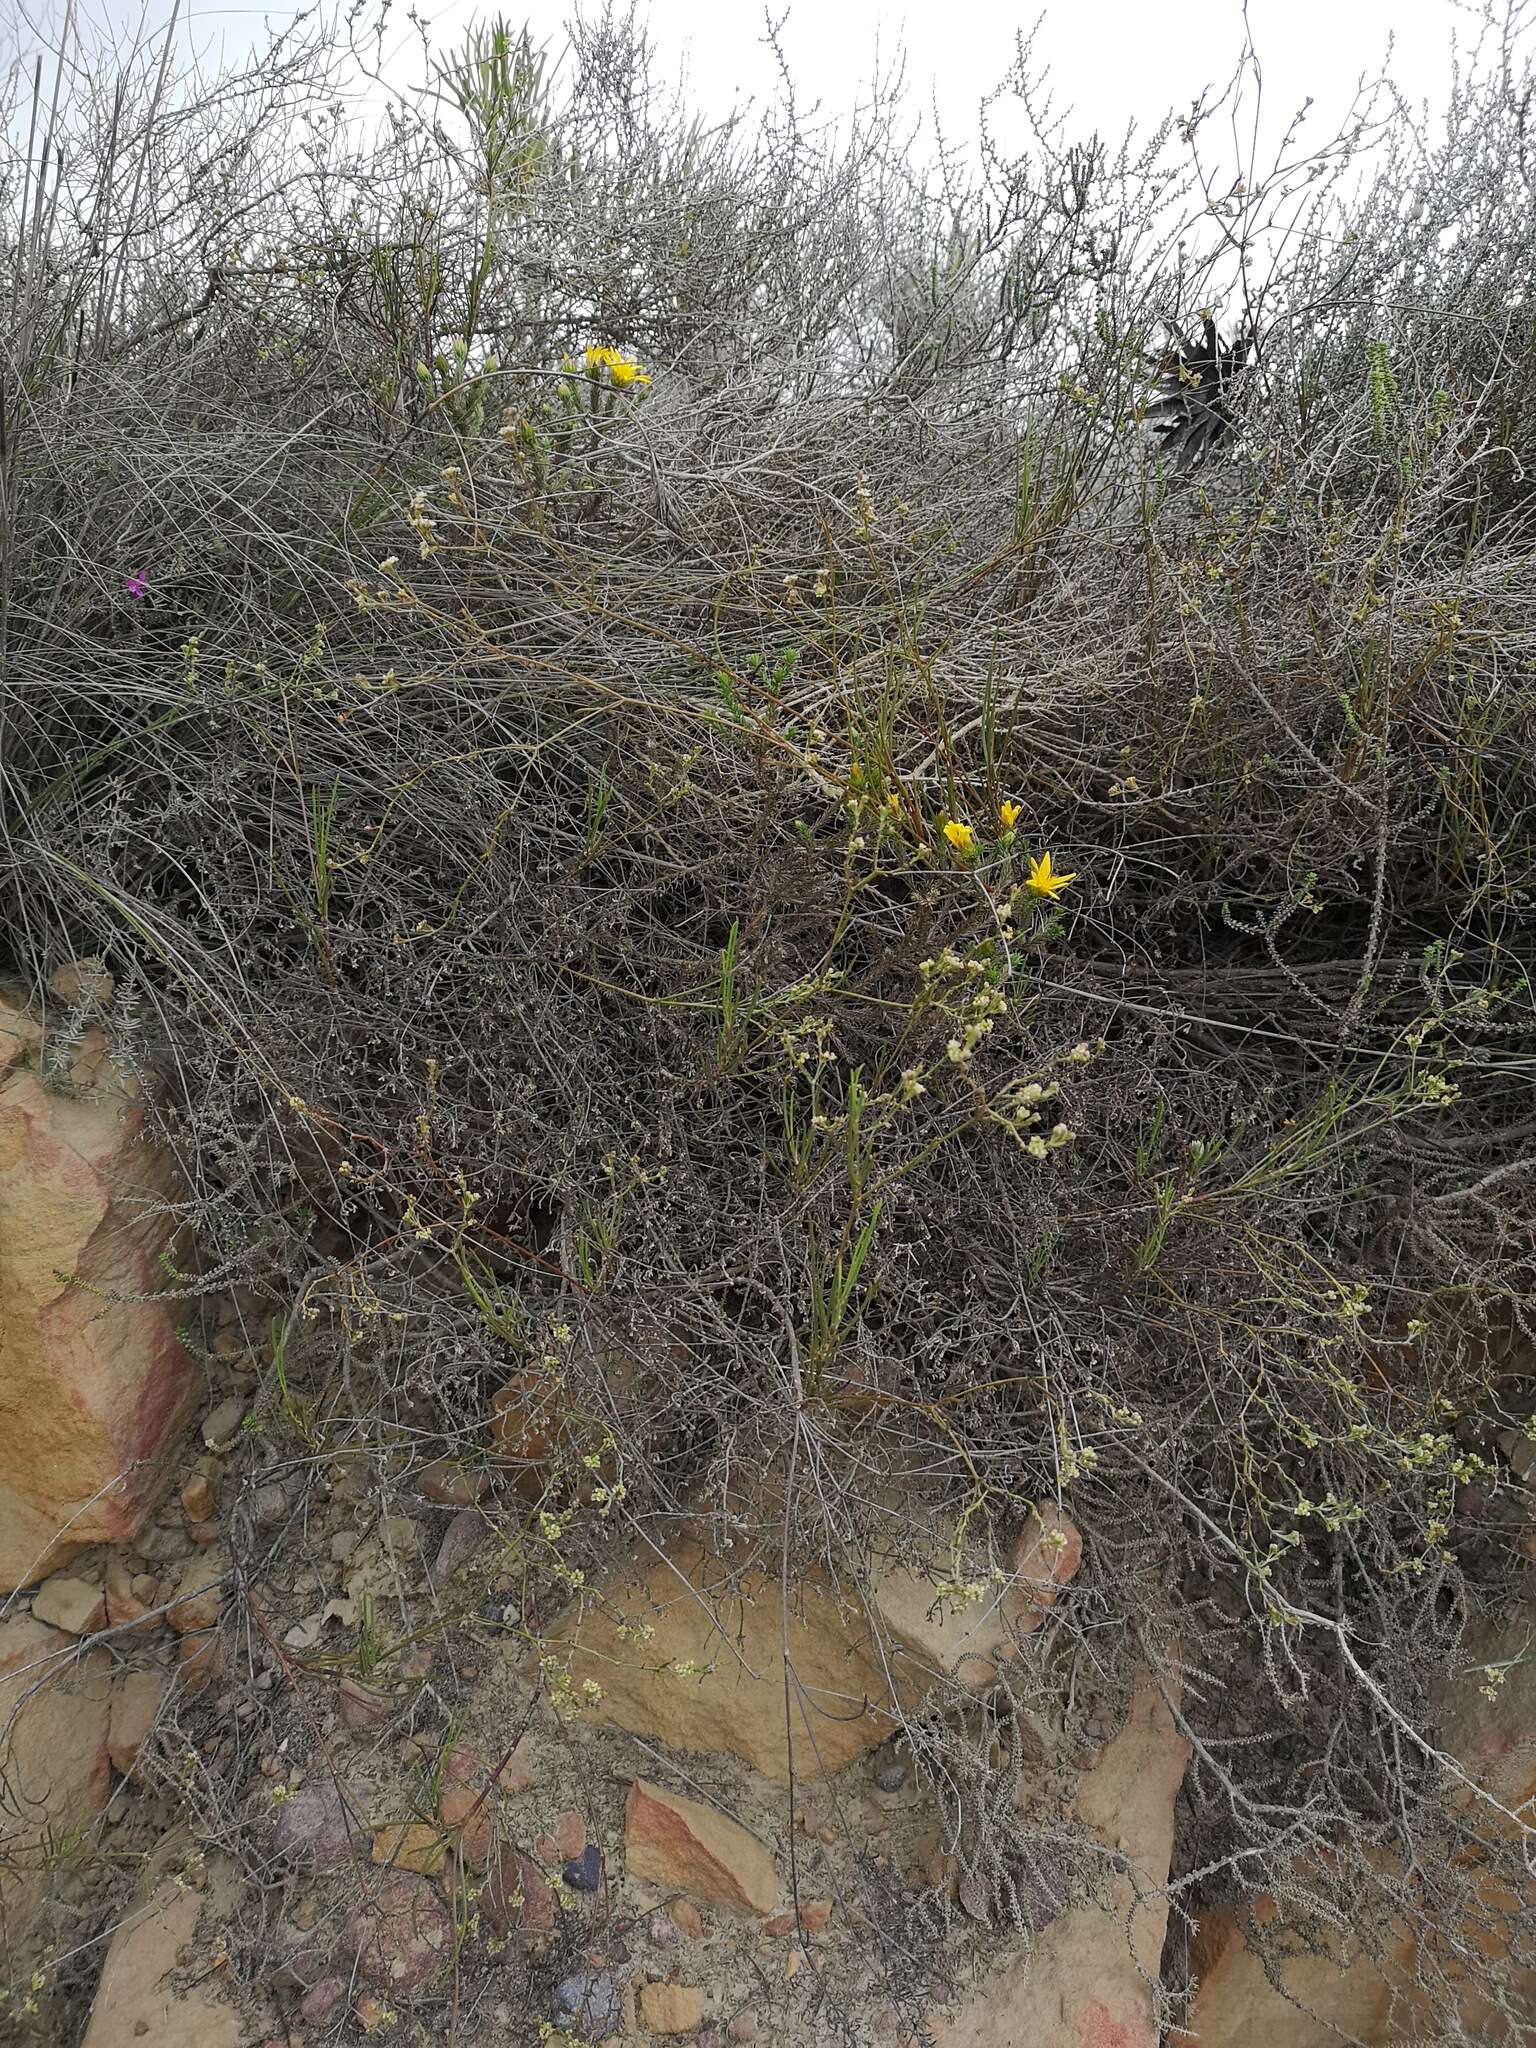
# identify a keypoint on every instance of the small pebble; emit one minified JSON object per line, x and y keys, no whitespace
{"x":584,"y":1873}
{"x":662,"y":1929}
{"x":892,"y":1777}
{"x":742,"y":2028}
{"x":686,"y":1918}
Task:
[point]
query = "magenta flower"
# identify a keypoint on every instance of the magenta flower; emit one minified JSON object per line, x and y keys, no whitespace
{"x":135,"y":585}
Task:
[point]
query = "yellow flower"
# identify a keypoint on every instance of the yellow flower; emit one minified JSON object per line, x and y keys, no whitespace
{"x":1043,"y":879}
{"x":961,"y":837}
{"x":602,"y":358}
{"x":1010,"y":813}
{"x":624,"y":373}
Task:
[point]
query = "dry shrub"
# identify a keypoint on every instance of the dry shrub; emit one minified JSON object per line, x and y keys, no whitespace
{"x":515,"y":816}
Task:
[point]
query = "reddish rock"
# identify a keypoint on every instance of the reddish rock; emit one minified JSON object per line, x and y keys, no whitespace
{"x":363,"y":1711}
{"x":687,"y":1919}
{"x":963,"y":1639}
{"x":402,"y":1934}
{"x":199,"y":1662}
{"x":94,"y":1384}
{"x":706,"y":1672}
{"x":1090,"y":1978}
{"x":527,"y":1422}
{"x":570,"y":1834}
{"x":450,"y":1485}
{"x":471,"y":1817}
{"x":676,"y":1842}
{"x":812,"y":1919}
{"x":517,"y":1898}
{"x":322,"y":1999}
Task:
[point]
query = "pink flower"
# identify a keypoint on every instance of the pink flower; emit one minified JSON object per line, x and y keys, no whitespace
{"x":135,"y":585}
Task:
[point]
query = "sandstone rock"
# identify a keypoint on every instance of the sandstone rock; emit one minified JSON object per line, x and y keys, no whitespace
{"x":88,"y":977}
{"x":54,"y":1776}
{"x":94,"y":1385}
{"x":402,"y":1934}
{"x":199,"y":1497}
{"x":1346,"y":1996}
{"x":125,"y":1607}
{"x":146,"y":1995}
{"x":676,"y":1842}
{"x":517,"y":1897}
{"x":199,"y":1593}
{"x":527,"y":1419}
{"x":963,"y":1639}
{"x":199,"y":1661}
{"x":470,"y":1817}
{"x":450,"y":1485}
{"x":729,"y":1694}
{"x":221,"y":1425}
{"x":74,"y":1605}
{"x":1087,"y":1984}
{"x":687,"y":1919}
{"x":21,"y":1035}
{"x":411,"y":1845}
{"x":1253,"y":1989}
{"x":671,"y":2008}
{"x":137,"y":1698}
{"x":812,"y":1918}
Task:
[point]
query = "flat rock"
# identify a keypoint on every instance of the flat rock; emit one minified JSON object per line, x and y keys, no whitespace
{"x":146,"y":1995}
{"x":671,"y":2008}
{"x":588,"y":2003}
{"x":74,"y":1605}
{"x":676,"y":1842}
{"x":320,"y":1824}
{"x":54,"y":1707}
{"x":710,"y":1674}
{"x":199,"y":1593}
{"x":517,"y":1898}
{"x":1090,"y":1978}
{"x":402,"y":1934}
{"x":137,"y":1697}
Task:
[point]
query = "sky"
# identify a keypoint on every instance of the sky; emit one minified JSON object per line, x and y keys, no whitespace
{"x":1111,"y":61}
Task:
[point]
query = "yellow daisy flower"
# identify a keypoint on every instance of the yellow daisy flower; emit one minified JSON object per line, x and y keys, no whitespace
{"x":1046,"y":881}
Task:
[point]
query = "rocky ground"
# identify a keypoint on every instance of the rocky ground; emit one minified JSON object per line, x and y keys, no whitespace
{"x":298,"y":1748}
